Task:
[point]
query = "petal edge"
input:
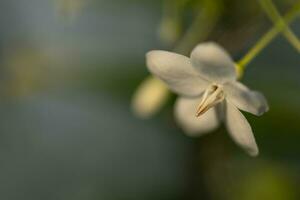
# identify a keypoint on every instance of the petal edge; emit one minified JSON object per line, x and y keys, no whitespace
{"x":213,"y":62}
{"x":240,"y":130}
{"x":245,"y":99}
{"x":185,"y":114}
{"x":177,"y":72}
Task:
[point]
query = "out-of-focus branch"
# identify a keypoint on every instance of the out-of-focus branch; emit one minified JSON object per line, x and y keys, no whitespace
{"x":201,"y":27}
{"x":272,"y":12}
{"x":267,"y":38}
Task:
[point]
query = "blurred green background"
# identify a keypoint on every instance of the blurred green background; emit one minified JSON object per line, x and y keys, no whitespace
{"x":67,"y":132}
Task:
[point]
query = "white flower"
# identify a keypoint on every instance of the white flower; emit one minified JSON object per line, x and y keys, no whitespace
{"x":209,"y":92}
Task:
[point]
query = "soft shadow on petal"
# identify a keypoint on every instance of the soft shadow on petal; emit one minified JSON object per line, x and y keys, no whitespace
{"x":177,"y":72}
{"x":240,"y":130}
{"x":245,"y":99}
{"x":213,"y":62}
{"x":185,"y":114}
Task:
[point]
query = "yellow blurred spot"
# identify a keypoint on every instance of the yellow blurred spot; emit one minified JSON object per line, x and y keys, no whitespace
{"x":169,"y":30}
{"x":70,"y":9}
{"x":24,"y":72}
{"x":268,"y":181}
{"x":150,"y":96}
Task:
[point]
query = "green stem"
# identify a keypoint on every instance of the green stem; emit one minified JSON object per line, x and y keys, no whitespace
{"x":201,"y":27}
{"x":268,"y":37}
{"x":171,"y":24}
{"x":272,"y":12}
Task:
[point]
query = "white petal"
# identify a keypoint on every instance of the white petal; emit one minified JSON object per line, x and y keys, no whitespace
{"x":177,"y":72}
{"x":213,"y":62}
{"x":240,"y":130}
{"x":185,"y":114}
{"x":245,"y":99}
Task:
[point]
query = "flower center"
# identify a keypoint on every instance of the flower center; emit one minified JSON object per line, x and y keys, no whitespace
{"x":212,"y":96}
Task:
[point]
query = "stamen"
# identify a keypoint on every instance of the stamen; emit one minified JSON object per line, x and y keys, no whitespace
{"x":211,"y":97}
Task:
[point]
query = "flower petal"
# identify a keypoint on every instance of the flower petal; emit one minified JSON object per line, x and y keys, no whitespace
{"x":185,"y":114}
{"x":213,"y":62}
{"x":177,"y":72}
{"x":245,"y":99}
{"x":240,"y":130}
